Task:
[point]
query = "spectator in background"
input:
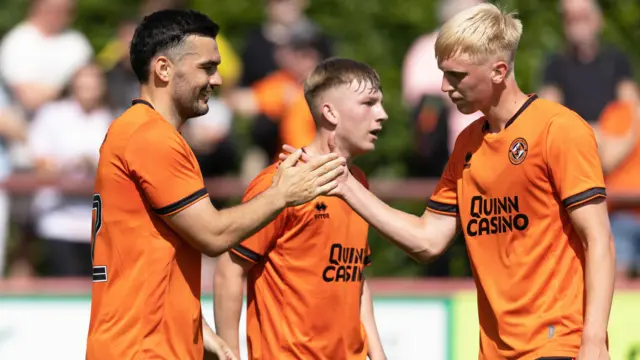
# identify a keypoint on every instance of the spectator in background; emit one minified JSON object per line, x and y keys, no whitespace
{"x":64,"y":139}
{"x":588,"y":74}
{"x":619,"y":148}
{"x":12,"y":128}
{"x":39,"y":56}
{"x":437,"y":122}
{"x":259,"y":56}
{"x":280,"y":98}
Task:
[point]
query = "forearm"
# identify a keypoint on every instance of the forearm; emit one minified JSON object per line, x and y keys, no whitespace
{"x":227,"y":307}
{"x":235,"y":224}
{"x":404,"y":230}
{"x":600,"y":267}
{"x":208,"y":336}
{"x":613,"y":151}
{"x":375,"y":349}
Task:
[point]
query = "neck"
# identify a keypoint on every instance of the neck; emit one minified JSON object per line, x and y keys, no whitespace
{"x":162,"y":104}
{"x":508,"y":102}
{"x":586,"y":52}
{"x":42,"y":28}
{"x":320,"y":145}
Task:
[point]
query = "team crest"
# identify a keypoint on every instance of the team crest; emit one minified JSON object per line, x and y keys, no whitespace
{"x":518,"y":151}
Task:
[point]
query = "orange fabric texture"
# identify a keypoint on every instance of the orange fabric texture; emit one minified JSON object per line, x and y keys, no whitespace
{"x":303,"y":293}
{"x":616,"y":120}
{"x":146,"y":290}
{"x":297,"y":127}
{"x":511,"y":191}
{"x":275,"y":93}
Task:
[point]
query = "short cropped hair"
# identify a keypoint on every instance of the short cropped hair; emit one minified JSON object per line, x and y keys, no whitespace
{"x":164,"y":31}
{"x":480,"y":32}
{"x":334,"y":72}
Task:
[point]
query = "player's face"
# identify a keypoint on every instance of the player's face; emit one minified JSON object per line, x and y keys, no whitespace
{"x":469,"y":85}
{"x":196,"y":75}
{"x":359,"y":117}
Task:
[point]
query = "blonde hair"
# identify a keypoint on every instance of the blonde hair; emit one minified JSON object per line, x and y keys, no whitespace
{"x":480,"y":32}
{"x":334,"y":72}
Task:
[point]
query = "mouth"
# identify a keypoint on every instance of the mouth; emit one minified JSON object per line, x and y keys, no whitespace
{"x":375,"y":132}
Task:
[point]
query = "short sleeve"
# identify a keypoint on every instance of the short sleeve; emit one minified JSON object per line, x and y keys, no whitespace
{"x":258,"y":245}
{"x":573,"y":161}
{"x":444,"y":199}
{"x":165,"y":168}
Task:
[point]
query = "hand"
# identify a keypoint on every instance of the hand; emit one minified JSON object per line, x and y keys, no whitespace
{"x":593,"y":351}
{"x":217,"y":349}
{"x":303,"y":183}
{"x":342,"y":180}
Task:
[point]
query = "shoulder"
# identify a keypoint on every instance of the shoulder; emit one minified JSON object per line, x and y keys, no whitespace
{"x":555,"y":115}
{"x":359,"y":175}
{"x":261,"y":182}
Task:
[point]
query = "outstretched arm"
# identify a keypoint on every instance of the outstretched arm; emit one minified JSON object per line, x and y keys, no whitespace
{"x":423,"y":238}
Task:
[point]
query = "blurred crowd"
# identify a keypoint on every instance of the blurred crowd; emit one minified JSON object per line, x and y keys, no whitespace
{"x":58,"y":96}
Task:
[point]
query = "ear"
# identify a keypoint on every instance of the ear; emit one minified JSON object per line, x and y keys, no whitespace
{"x":500,"y":72}
{"x":329,"y":113}
{"x":162,"y":68}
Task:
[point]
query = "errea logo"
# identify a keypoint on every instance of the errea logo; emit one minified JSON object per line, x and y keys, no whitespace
{"x":321,"y":210}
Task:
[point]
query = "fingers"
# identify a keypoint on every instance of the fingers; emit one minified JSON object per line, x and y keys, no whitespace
{"x":318,"y":161}
{"x":330,"y":176}
{"x":328,"y":167}
{"x":326,"y":188}
{"x":291,"y":160}
{"x":288,"y":148}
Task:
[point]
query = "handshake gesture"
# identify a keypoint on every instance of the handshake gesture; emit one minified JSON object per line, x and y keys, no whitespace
{"x":301,"y":178}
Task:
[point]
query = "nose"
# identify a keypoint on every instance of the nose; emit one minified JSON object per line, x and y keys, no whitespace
{"x":445,"y":86}
{"x":383,"y":115}
{"x":215,"y":79}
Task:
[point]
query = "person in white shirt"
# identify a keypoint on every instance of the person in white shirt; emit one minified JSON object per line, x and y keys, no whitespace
{"x":12,"y":130}
{"x":39,"y":56}
{"x":64,"y":140}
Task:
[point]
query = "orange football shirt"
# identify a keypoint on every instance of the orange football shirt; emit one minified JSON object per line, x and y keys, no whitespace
{"x":511,"y":191}
{"x":303,"y":293}
{"x":146,"y":280}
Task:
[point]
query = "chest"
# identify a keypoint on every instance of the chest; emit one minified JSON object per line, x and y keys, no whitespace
{"x":505,"y":180}
{"x":325,"y":231}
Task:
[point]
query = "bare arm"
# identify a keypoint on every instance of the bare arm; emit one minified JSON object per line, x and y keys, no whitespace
{"x":376,"y":351}
{"x":614,"y":149}
{"x":213,"y":232}
{"x":591,"y":221}
{"x":423,"y":238}
{"x":228,"y":289}
{"x":214,"y":345}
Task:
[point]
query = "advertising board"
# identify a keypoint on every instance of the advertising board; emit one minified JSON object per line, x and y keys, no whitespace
{"x":50,"y":327}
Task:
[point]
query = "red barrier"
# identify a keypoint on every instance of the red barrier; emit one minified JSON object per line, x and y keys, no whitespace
{"x":234,"y":187}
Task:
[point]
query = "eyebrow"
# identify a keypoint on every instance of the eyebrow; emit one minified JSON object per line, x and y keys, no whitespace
{"x":208,"y":63}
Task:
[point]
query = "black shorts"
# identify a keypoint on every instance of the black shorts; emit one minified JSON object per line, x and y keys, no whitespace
{"x":555,"y":358}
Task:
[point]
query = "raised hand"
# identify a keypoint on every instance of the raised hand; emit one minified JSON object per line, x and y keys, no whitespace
{"x":300,"y":183}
